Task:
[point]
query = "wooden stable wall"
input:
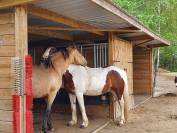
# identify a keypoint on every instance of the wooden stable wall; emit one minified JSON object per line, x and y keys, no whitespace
{"x":13,"y":42}
{"x":7,"y":50}
{"x":142,"y":71}
{"x":120,"y":55}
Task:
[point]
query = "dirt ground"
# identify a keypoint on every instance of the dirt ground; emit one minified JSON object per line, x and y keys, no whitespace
{"x":158,"y":115}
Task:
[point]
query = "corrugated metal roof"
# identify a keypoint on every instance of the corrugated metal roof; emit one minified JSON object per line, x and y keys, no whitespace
{"x":90,"y":12}
{"x":83,"y":10}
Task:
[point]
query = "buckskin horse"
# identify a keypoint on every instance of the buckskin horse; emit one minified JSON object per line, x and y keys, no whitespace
{"x":47,"y":80}
{"x":79,"y":81}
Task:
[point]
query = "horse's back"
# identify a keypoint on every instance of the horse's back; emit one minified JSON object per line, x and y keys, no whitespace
{"x":44,"y":81}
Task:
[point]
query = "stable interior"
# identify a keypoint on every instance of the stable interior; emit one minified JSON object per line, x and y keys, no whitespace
{"x":96,"y":50}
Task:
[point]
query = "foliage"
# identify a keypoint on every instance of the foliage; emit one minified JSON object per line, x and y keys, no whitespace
{"x":161,"y":17}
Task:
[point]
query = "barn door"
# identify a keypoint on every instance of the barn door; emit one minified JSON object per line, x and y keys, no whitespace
{"x":120,"y":55}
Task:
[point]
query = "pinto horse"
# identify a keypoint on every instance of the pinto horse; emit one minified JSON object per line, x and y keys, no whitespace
{"x":79,"y":81}
{"x":47,"y":80}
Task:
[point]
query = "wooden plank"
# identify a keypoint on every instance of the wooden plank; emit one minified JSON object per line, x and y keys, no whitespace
{"x":5,"y":72}
{"x":6,"y":104}
{"x":7,"y":51}
{"x":10,"y":3}
{"x":56,"y":28}
{"x":6,"y":127}
{"x":51,"y":34}
{"x":5,"y":62}
{"x":55,"y":17}
{"x":7,"y":40}
{"x":110,"y":49}
{"x":5,"y":83}
{"x":5,"y":94}
{"x":6,"y":18}
{"x":137,"y":38}
{"x":7,"y":29}
{"x":6,"y":115}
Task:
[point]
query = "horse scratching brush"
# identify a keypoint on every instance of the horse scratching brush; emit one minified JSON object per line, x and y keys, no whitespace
{"x":29,"y":95}
{"x":17,"y":90}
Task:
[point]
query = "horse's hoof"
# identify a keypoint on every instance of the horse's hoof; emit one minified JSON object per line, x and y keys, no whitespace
{"x":46,"y":131}
{"x":71,"y":123}
{"x":51,"y":129}
{"x":120,"y":124}
{"x":82,"y":126}
{"x":68,"y":124}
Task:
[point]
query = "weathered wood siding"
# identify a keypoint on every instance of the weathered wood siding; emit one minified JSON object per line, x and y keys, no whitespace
{"x":120,"y":55}
{"x":7,"y":50}
{"x":142,"y":68}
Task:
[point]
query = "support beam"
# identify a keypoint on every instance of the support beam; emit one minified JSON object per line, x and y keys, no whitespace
{"x":55,"y":17}
{"x":138,"y":38}
{"x":155,"y":45}
{"x":142,"y":43}
{"x":21,"y":45}
{"x":50,"y":34}
{"x":11,"y":3}
{"x":55,"y":28}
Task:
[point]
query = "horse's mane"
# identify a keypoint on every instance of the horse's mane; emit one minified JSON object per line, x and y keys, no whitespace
{"x":48,"y":62}
{"x":65,"y":53}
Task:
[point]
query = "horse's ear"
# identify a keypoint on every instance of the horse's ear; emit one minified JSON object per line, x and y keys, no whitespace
{"x":71,"y":47}
{"x":52,"y":50}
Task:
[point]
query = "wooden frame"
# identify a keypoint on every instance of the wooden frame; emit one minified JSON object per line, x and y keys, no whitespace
{"x":21,"y":44}
{"x":10,"y":3}
{"x":51,"y":34}
{"x":54,"y":28}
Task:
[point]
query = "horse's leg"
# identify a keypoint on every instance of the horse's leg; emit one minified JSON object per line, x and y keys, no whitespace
{"x":46,"y":116}
{"x":80,"y":99}
{"x":74,"y":111}
{"x":47,"y":125}
{"x":122,"y":118}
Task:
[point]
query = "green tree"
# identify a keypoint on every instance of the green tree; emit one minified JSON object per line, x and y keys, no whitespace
{"x":161,"y":17}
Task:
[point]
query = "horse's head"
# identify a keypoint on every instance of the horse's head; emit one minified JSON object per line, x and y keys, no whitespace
{"x":48,"y":52}
{"x":45,"y":60}
{"x":75,"y":56}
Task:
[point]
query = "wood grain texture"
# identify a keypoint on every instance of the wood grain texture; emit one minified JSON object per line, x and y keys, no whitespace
{"x":6,"y":127}
{"x":6,"y":104}
{"x":6,"y":18}
{"x":5,"y":83}
{"x":6,"y":29}
{"x":6,"y":115}
{"x":5,"y":94}
{"x":7,"y":40}
{"x":7,"y":51}
{"x":142,"y":71}
{"x":5,"y":62}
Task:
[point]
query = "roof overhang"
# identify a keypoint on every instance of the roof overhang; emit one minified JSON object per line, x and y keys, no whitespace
{"x":93,"y":16}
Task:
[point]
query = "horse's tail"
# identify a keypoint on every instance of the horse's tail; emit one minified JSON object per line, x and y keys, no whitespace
{"x":126,"y":99}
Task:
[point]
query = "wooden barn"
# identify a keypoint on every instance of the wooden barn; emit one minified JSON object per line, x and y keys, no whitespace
{"x":105,"y":34}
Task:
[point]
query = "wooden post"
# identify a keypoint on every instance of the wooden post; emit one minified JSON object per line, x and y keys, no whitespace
{"x":110,"y":62}
{"x":21,"y":44}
